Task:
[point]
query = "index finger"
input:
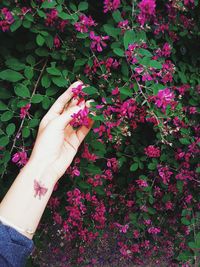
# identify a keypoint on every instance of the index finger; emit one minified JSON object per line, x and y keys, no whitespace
{"x":59,"y":104}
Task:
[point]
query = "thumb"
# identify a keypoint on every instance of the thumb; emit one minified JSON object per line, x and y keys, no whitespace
{"x":62,"y":121}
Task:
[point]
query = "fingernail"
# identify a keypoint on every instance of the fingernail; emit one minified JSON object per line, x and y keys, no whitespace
{"x":88,"y":102}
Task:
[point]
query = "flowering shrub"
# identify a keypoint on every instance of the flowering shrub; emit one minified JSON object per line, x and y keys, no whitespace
{"x":137,"y":172}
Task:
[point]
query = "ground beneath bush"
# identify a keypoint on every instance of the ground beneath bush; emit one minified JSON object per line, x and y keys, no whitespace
{"x":103,"y":252}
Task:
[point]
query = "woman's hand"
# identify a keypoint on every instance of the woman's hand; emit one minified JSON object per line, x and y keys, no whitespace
{"x":57,"y":142}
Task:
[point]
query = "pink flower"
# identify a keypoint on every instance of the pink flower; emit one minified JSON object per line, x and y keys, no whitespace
{"x":123,"y":228}
{"x":56,"y":42}
{"x":142,"y":183}
{"x":169,"y":205}
{"x":164,"y":173}
{"x":152,"y":151}
{"x":78,"y":91}
{"x":84,"y":23}
{"x":164,"y":98}
{"x":110,"y":5}
{"x":154,"y":230}
{"x":20,"y":158}
{"x":98,"y":41}
{"x":87,"y":155}
{"x":147,"y":10}
{"x":51,"y":18}
{"x":24,"y":111}
{"x":80,"y":118}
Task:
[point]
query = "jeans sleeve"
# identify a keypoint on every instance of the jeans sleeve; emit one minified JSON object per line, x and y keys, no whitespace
{"x":14,"y":247}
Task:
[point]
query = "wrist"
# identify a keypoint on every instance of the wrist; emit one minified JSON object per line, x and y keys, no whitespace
{"x":37,"y":170}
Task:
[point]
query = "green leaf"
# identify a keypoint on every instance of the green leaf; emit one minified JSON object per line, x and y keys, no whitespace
{"x":73,"y":7}
{"x":11,"y":75}
{"x":14,"y":26}
{"x":10,"y":129}
{"x":80,"y":62}
{"x":90,"y":90}
{"x":84,"y":185}
{"x":14,"y":64}
{"x":185,"y":221}
{"x":37,"y":98}
{"x":151,"y":210}
{"x":21,"y":90}
{"x":119,"y":52}
{"x":4,"y":141}
{"x":126,"y":91}
{"x":151,"y":166}
{"x":193,"y":245}
{"x":124,"y":68}
{"x":184,"y":141}
{"x":100,"y":190}
{"x":28,"y":72}
{"x":145,"y":52}
{"x":33,"y":123}
{"x":5,"y":94}
{"x":46,"y":81}
{"x":117,"y":16}
{"x":54,"y":71}
{"x":133,"y":217}
{"x":48,"y":4}
{"x":111,"y":31}
{"x":129,"y":38}
{"x":155,"y":64}
{"x":46,"y":103}
{"x":134,"y":167}
{"x":26,"y":132}
{"x":40,"y":40}
{"x":3,"y":106}
{"x":6,"y":116}
{"x":64,"y":16}
{"x":59,"y":81}
{"x":83,"y":6}
{"x":179,"y":185}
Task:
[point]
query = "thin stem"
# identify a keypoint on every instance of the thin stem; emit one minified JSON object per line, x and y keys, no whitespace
{"x":23,"y":120}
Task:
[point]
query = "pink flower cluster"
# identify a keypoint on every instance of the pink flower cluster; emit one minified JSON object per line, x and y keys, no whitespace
{"x":84,"y":23}
{"x":52,"y":19}
{"x":142,"y":183}
{"x":110,"y":63}
{"x":152,"y":151}
{"x":80,"y":118}
{"x":57,"y":42}
{"x":24,"y":111}
{"x":78,"y":92}
{"x":147,"y":10}
{"x":7,"y":19}
{"x":111,"y":5}
{"x":154,"y":230}
{"x":20,"y":158}
{"x":98,"y":41}
{"x":164,"y":173}
{"x":163,"y":98}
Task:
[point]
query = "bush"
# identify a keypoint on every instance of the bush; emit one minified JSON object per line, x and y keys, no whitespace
{"x":137,"y":171}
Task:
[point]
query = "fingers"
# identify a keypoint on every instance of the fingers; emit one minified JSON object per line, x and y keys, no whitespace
{"x":59,"y":105}
{"x":83,"y":131}
{"x":63,"y":120}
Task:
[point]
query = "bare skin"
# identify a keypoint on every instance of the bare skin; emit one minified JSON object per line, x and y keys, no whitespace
{"x":55,"y":148}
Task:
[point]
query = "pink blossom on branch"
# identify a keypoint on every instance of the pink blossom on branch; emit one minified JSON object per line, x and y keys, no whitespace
{"x":147,"y":10}
{"x":98,"y":41}
{"x":152,"y":151}
{"x":163,"y":98}
{"x":110,"y":5}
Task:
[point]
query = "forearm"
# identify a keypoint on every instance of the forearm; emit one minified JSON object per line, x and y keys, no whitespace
{"x":23,"y":206}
